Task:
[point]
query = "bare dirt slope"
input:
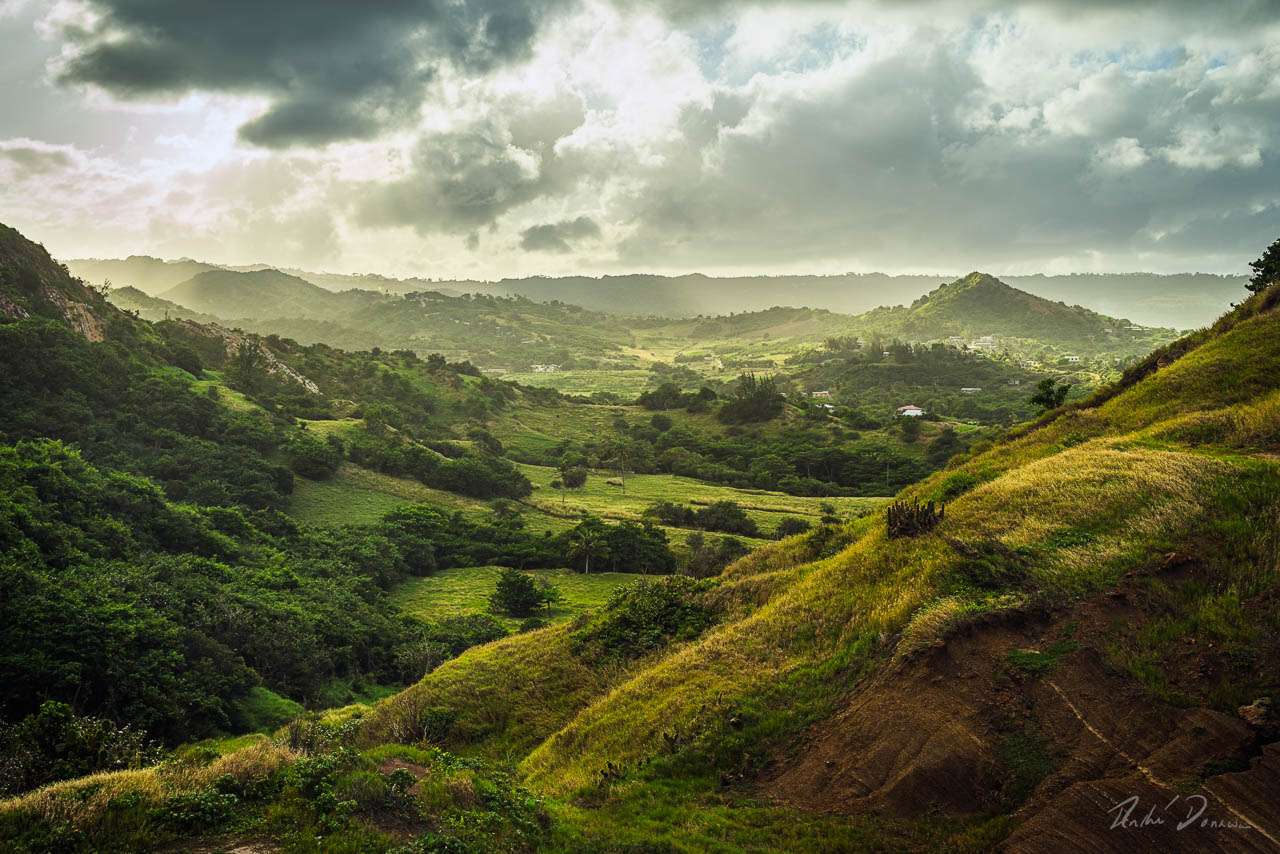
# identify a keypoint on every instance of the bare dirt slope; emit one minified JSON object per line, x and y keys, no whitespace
{"x":1072,"y":743}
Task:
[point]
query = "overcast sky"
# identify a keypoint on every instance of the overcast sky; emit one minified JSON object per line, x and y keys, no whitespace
{"x":507,"y":137}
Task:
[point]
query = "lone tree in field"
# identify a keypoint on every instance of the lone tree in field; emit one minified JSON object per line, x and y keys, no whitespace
{"x":1048,"y":396}
{"x":1266,"y":270}
{"x":519,"y":594}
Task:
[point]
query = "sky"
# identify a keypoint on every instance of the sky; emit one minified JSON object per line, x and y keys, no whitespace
{"x":492,"y":138}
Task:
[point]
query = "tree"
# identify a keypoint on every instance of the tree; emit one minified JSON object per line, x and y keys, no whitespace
{"x":1048,"y":396}
{"x":247,"y":370}
{"x":1266,"y":270}
{"x":789,"y":526}
{"x":589,"y":539}
{"x":519,"y":594}
{"x":910,"y":428}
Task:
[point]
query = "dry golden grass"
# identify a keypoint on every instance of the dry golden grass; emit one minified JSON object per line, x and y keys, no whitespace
{"x":84,"y":802}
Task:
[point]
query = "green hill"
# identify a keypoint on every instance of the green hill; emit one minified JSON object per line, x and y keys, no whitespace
{"x":981,"y":305}
{"x":260,"y":294}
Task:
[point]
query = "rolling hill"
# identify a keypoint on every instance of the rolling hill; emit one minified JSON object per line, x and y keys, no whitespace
{"x":150,"y":275}
{"x":981,"y":305}
{"x":260,"y":294}
{"x":1093,"y":618}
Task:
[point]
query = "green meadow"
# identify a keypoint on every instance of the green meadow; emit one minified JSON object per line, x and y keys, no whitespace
{"x":465,"y":590}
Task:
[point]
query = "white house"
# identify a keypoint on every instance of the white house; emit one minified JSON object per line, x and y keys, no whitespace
{"x":1075,"y":360}
{"x":970,"y":390}
{"x":913,"y":411}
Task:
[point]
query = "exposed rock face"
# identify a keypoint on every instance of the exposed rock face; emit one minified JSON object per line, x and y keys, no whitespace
{"x":79,"y":316}
{"x":233,"y":341}
{"x":1258,"y":713}
{"x":936,"y":732}
{"x":9,"y":308}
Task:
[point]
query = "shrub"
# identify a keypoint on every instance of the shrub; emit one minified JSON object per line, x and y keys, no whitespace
{"x":790,"y":526}
{"x":313,"y":458}
{"x":436,"y":722}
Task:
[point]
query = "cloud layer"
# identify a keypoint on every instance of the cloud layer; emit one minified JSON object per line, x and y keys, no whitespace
{"x":490,"y":138}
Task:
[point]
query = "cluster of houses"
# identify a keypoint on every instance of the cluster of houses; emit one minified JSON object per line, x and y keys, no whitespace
{"x":544,"y":369}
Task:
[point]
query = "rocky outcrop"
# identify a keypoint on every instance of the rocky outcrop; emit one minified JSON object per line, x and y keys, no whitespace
{"x":232,"y":340}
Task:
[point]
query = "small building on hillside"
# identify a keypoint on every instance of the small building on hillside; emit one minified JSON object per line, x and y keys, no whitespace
{"x":822,"y":395}
{"x":970,"y":390}
{"x":1075,"y":360}
{"x":911,"y":410}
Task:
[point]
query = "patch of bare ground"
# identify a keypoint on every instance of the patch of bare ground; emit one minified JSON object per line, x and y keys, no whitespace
{"x":958,"y":730}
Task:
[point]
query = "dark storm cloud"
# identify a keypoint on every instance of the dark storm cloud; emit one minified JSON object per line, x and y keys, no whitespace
{"x":557,"y":236}
{"x":333,"y":69}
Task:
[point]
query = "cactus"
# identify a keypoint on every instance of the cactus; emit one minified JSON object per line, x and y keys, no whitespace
{"x":908,"y":518}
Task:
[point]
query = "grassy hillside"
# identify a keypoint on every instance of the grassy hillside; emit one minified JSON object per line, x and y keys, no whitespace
{"x":1182,"y":300}
{"x":262,"y":293}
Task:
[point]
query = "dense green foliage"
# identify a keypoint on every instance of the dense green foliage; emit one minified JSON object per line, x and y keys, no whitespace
{"x":164,"y":616}
{"x":1266,"y":269}
{"x":125,"y":414}
{"x":54,"y":743}
{"x":724,"y":516}
{"x":755,"y":400}
{"x":644,"y":617}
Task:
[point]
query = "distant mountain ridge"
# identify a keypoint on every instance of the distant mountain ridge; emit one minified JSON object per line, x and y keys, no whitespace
{"x":1180,"y":300}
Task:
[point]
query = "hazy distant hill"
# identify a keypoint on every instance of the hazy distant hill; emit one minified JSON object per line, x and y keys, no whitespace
{"x":150,"y":275}
{"x":1180,"y":300}
{"x":154,"y":308}
{"x":262,"y":294}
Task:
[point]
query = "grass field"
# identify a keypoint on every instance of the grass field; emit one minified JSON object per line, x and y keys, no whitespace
{"x":627,"y":383}
{"x":358,"y":496}
{"x":642,"y":490}
{"x":465,"y":590}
